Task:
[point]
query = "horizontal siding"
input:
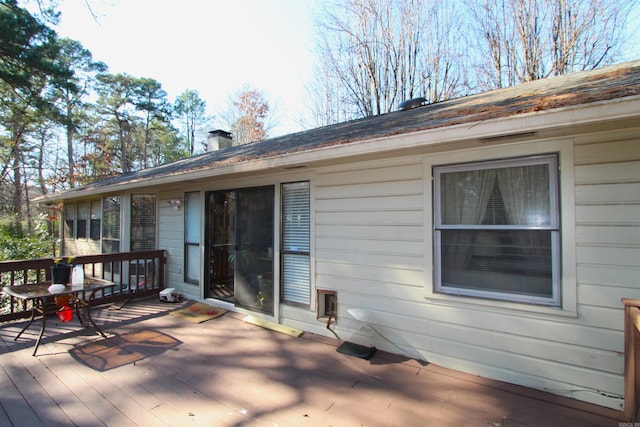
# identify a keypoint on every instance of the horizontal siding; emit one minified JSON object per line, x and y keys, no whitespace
{"x":607,"y":148}
{"x":379,"y":232}
{"x":396,"y":217}
{"x":372,"y":203}
{"x":622,"y":256}
{"x":608,"y":173}
{"x":369,"y":246}
{"x":597,"y":214}
{"x":330,"y":258}
{"x":614,"y":235}
{"x":171,"y":239}
{"x":607,"y":177}
{"x":621,"y":193}
{"x":608,"y":275}
{"x":593,"y":295}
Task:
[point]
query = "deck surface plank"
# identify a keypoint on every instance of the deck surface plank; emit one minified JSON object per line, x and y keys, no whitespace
{"x":226,"y":372}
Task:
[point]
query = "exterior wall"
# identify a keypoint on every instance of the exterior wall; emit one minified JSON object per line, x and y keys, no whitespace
{"x":80,"y":247}
{"x":171,"y":239}
{"x":373,"y":246}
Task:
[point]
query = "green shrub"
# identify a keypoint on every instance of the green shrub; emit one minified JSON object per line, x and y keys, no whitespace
{"x":14,"y":246}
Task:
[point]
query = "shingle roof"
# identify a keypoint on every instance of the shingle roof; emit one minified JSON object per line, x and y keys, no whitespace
{"x":574,"y":89}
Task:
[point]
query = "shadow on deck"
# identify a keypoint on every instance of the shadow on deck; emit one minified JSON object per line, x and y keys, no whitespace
{"x":161,"y":370}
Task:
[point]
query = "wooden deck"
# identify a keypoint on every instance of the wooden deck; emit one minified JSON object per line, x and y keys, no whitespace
{"x":160,"y":370}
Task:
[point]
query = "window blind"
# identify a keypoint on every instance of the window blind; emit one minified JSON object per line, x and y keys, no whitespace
{"x":296,"y":225}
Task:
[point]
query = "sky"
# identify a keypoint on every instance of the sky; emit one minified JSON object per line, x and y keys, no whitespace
{"x":215,"y":47}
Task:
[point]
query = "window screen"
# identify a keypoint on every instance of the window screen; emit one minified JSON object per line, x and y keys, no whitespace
{"x":96,"y":220}
{"x":81,"y":222}
{"x":69,"y":220}
{"x":143,"y":222}
{"x":497,"y":230}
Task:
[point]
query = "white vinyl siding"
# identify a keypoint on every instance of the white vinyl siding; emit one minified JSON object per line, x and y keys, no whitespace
{"x":373,"y":246}
{"x":372,"y":243}
{"x":296,"y":268}
{"x":369,"y":234}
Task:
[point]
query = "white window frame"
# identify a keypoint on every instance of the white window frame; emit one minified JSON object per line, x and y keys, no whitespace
{"x":553,"y":228}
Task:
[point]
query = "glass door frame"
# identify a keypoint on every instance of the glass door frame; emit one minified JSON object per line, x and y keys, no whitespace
{"x":253,"y":269}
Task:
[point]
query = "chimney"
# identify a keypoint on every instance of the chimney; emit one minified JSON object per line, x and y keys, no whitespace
{"x":218,"y":139}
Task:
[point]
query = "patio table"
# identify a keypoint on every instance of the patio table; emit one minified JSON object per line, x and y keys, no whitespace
{"x":41,"y":297}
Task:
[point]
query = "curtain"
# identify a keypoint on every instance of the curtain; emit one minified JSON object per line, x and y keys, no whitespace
{"x":526,"y":198}
{"x":465,"y":196}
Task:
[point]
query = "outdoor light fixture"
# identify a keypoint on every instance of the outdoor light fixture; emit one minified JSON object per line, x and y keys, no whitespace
{"x":175,"y":203}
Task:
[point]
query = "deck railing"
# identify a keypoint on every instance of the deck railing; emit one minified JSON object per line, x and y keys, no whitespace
{"x":631,"y":358}
{"x":134,"y":274}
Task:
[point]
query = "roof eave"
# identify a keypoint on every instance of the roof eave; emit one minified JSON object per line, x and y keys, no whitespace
{"x":480,"y":131}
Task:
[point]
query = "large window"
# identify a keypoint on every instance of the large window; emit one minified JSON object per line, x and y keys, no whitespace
{"x":143,"y":222}
{"x":296,"y":271}
{"x":497,"y":230}
{"x":192,"y":213}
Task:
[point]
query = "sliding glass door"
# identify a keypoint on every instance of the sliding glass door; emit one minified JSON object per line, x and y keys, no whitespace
{"x":240,"y":247}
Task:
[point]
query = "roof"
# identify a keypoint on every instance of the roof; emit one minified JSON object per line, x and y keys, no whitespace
{"x":614,"y":82}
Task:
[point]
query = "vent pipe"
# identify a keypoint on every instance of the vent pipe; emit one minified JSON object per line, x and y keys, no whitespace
{"x":412,"y":103}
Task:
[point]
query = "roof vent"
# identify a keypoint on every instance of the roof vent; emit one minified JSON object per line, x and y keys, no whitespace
{"x":412,"y":103}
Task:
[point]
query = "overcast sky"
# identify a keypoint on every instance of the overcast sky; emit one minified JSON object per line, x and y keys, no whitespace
{"x":212,"y":46}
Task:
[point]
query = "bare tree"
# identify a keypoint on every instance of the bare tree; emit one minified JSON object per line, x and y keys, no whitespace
{"x":523,"y":40}
{"x":375,"y":54}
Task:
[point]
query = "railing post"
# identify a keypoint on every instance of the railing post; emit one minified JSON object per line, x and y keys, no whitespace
{"x":631,"y":357}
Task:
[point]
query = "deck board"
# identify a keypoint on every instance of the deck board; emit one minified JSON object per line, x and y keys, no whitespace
{"x":226,"y":372}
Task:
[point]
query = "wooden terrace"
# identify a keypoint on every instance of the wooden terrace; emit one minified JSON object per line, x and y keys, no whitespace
{"x":156,"y":369}
{"x":226,"y":372}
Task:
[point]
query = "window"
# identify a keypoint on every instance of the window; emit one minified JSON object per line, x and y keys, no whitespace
{"x":496,"y":231}
{"x":81,"y":222}
{"x":69,"y":221}
{"x":96,"y":220}
{"x":111,"y":225}
{"x":143,"y":222}
{"x":296,"y":271}
{"x":192,"y":214}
